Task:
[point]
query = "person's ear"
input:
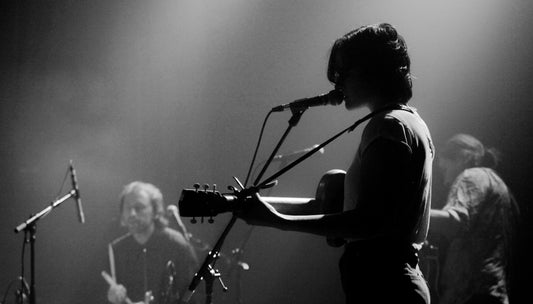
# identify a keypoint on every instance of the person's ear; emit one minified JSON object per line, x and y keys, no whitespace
{"x":467,"y":161}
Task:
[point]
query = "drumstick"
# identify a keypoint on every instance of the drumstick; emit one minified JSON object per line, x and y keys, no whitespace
{"x":108,"y":278}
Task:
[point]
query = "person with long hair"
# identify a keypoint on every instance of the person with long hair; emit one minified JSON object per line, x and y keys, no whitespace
{"x":477,"y":222}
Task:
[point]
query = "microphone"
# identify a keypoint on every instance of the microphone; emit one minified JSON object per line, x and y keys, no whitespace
{"x":172,"y":210}
{"x":170,"y":274}
{"x":74,"y":181}
{"x":296,"y":154}
{"x":333,"y":97}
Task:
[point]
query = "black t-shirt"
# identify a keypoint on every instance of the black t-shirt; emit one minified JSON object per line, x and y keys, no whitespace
{"x":142,"y":268}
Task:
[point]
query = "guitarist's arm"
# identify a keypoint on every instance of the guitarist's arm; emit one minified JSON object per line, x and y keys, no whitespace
{"x":455,"y":215}
{"x":341,"y":224}
{"x":385,"y":163}
{"x":444,"y":223}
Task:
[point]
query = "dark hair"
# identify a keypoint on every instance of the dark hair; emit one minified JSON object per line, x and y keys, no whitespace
{"x":468,"y":147}
{"x":380,"y":54}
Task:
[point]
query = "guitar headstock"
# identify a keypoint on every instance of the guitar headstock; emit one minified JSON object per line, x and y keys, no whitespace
{"x":204,"y":203}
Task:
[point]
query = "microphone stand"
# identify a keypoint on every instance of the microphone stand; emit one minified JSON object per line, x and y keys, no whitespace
{"x":293,"y":121}
{"x":30,"y":226}
{"x":236,"y":258}
{"x":206,"y":271}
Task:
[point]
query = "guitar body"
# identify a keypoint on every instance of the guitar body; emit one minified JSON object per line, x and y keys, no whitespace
{"x":330,"y":194}
{"x":329,"y":197}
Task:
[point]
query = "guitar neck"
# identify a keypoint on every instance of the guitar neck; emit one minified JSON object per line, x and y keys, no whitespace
{"x":277,"y":200}
{"x":328,"y":199}
{"x":288,"y":205}
{"x":292,"y":205}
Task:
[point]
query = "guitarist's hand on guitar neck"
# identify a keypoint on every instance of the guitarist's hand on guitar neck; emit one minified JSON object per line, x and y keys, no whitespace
{"x":255,"y":211}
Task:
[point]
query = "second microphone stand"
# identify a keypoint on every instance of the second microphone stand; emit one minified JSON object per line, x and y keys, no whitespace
{"x":30,"y":229}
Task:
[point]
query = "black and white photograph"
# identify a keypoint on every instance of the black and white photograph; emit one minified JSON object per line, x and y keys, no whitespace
{"x":266,"y":151}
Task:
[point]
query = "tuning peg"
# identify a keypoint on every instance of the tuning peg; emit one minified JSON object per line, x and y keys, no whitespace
{"x":206,"y":186}
{"x":210,"y":220}
{"x":231,"y":188}
{"x":194,"y":221}
{"x":214,"y":188}
{"x":196,"y":186}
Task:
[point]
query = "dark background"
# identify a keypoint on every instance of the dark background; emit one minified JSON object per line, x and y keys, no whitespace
{"x":174,"y":92}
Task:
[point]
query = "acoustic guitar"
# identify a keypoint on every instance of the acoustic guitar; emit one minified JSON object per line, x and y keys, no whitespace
{"x":329,"y":197}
